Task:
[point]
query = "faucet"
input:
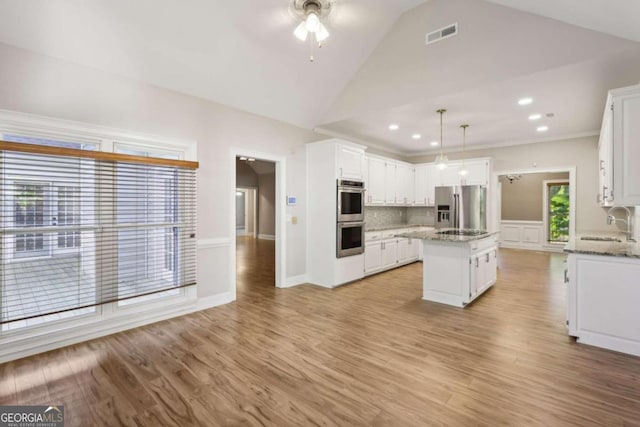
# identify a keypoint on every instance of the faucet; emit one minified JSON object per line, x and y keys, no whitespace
{"x":611,"y":219}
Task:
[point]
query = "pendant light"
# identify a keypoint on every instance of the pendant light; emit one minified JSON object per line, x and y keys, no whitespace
{"x":441,"y":159}
{"x":463,"y":170}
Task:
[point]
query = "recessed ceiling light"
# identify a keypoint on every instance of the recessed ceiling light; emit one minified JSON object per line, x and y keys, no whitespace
{"x":535,"y":117}
{"x":394,"y":126}
{"x":434,"y":143}
{"x":243,"y":158}
{"x":416,"y":136}
{"x":525,"y":101}
{"x":251,"y":159}
{"x":542,"y":128}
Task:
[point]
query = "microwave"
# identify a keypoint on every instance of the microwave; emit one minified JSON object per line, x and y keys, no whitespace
{"x":350,"y":200}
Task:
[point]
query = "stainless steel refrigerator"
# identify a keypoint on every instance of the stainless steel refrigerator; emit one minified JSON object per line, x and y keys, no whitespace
{"x":462,"y":207}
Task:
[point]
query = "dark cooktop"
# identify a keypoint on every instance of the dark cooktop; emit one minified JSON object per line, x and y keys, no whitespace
{"x":463,"y":232}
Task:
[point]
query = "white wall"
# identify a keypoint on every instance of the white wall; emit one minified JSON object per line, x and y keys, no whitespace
{"x":41,"y":85}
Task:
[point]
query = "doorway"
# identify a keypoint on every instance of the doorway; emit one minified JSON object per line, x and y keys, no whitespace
{"x":536,"y":208}
{"x":257,"y":224}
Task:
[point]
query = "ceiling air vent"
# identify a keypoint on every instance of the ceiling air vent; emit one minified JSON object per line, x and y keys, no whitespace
{"x":442,"y":33}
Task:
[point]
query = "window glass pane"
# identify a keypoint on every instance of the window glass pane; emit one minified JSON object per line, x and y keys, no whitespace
{"x":558,"y":215}
{"x":49,"y":142}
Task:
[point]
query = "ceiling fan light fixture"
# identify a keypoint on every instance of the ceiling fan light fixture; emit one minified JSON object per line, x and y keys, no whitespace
{"x":312,"y":22}
{"x":301,"y":31}
{"x":322,"y":34}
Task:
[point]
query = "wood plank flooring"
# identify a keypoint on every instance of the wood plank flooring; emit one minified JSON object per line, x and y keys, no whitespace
{"x":371,"y":353}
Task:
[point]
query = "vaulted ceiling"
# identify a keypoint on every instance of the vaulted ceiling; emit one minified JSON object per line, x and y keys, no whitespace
{"x":374,"y":69}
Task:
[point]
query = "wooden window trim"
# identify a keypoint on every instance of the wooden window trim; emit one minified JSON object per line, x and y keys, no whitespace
{"x":96,"y":155}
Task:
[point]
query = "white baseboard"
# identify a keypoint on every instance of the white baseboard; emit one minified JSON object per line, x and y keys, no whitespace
{"x":532,"y":247}
{"x":213,"y":243}
{"x":266,"y":237}
{"x":214,"y":300}
{"x":43,"y":341}
{"x":295,"y":281}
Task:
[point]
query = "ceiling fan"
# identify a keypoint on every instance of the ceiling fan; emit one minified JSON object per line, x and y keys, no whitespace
{"x":311,"y":12}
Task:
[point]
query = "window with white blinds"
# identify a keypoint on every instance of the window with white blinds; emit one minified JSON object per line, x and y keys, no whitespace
{"x":83,"y":228}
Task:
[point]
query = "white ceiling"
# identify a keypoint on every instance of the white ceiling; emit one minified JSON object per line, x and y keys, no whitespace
{"x":240,"y":53}
{"x":374,"y":68}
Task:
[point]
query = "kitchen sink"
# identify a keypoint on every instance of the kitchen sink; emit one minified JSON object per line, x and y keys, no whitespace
{"x":600,"y":239}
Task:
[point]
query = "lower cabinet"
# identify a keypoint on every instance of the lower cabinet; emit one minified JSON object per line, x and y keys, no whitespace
{"x":389,"y":253}
{"x":483,"y":271}
{"x":602,"y":301}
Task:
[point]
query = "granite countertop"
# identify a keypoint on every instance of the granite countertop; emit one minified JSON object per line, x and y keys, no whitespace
{"x":623,"y":248}
{"x":394,"y":226}
{"x":433,"y":235}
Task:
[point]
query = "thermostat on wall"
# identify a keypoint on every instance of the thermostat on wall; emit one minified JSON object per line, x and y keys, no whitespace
{"x":292,"y":200}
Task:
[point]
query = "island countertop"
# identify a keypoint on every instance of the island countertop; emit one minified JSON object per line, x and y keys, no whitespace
{"x":588,"y":246}
{"x":433,"y":235}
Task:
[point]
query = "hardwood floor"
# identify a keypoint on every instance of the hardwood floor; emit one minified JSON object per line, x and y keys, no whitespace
{"x":370,"y":353}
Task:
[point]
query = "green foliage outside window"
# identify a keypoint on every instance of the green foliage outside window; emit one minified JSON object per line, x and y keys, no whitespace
{"x":558,"y":213}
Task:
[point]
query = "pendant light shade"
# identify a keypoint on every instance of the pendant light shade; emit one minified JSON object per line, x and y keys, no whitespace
{"x":463,"y":170}
{"x":441,"y":160}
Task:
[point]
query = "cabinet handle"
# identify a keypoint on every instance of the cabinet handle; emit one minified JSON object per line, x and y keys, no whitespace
{"x":487,"y":260}
{"x":604,"y":192}
{"x":601,"y":165}
{"x":599,"y":198}
{"x":477,"y":262}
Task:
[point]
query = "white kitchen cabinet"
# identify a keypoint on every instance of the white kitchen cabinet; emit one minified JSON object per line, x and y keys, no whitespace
{"x":434,"y":180}
{"x":383,"y":251}
{"x":450,"y":175}
{"x":404,"y":184}
{"x":350,"y":162}
{"x":602,"y":301}
{"x":375,"y":183}
{"x":421,"y":185}
{"x":483,"y":271}
{"x":626,"y":146}
{"x":390,"y":184}
{"x":456,"y":273}
{"x":477,"y":172}
{"x":389,"y":253}
{"x":618,"y":149}
{"x":372,"y":257}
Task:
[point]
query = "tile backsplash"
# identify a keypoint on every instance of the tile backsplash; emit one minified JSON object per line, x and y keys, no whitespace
{"x":376,"y":216}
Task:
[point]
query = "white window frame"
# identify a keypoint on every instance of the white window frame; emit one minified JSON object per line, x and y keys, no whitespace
{"x":106,"y":315}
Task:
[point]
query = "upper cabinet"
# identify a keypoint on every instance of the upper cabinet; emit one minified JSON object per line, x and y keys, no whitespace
{"x":619,"y":150}
{"x":375,"y":181}
{"x":421,"y":194}
{"x":351,"y":162}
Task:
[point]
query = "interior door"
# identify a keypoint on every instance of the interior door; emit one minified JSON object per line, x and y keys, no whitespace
{"x":31,"y":210}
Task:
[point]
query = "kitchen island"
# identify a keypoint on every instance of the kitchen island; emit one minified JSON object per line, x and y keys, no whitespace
{"x":457,"y":268}
{"x":603,"y":292}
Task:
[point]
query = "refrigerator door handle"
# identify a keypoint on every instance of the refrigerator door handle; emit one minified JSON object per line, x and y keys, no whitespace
{"x":456,"y":210}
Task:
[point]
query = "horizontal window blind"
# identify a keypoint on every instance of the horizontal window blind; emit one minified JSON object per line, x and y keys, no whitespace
{"x":83,"y":228}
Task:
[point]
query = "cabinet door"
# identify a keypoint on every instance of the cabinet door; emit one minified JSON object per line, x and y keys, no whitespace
{"x":420,"y":184}
{"x":491,"y":272}
{"x":605,"y":158}
{"x":414,"y":248}
{"x":626,"y":149}
{"x":476,"y":271}
{"x":434,"y":181}
{"x":477,"y":173}
{"x":403,"y":185}
{"x":389,"y":253}
{"x":390,"y":184}
{"x":451,"y":175}
{"x":403,"y":250}
{"x":375,"y":184}
{"x":350,"y":162}
{"x":372,"y":257}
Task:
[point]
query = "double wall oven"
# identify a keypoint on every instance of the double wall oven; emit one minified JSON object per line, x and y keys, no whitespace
{"x":350,"y":218}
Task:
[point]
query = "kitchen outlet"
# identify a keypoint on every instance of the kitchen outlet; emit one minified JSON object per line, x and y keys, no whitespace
{"x":294,"y":220}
